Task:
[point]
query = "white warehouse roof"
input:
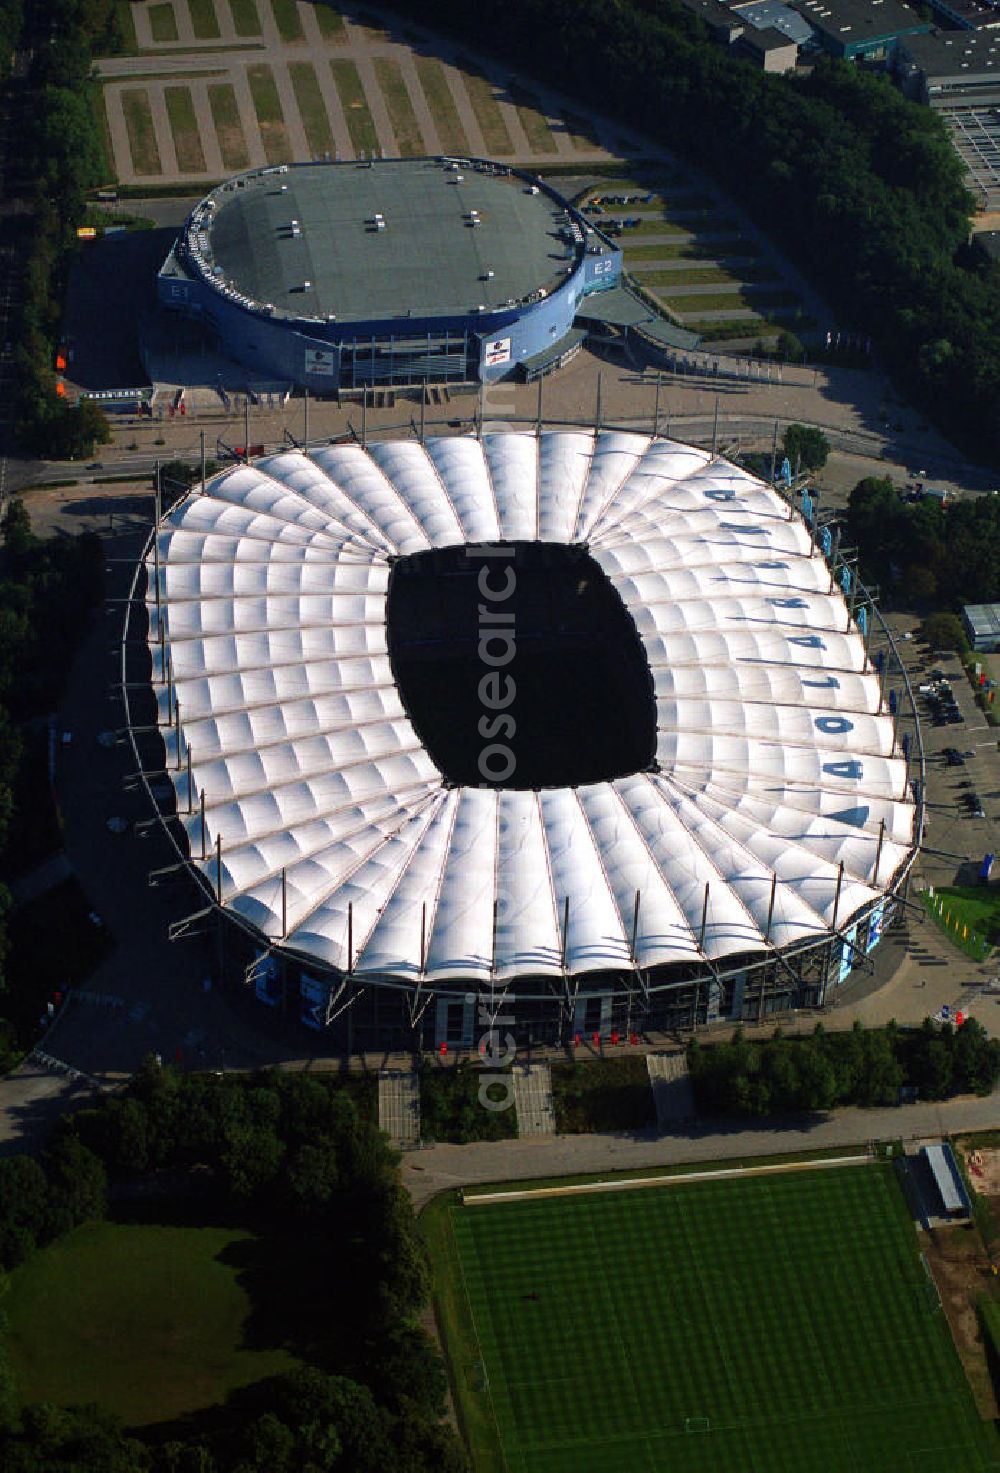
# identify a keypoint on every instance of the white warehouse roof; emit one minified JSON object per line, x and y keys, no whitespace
{"x":773,"y":756}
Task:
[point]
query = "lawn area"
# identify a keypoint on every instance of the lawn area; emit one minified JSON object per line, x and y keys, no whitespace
{"x":442,"y":105}
{"x":606,"y":1094}
{"x":288,"y":21}
{"x":482,"y":96}
{"x":204,"y":21}
{"x":975,"y":906}
{"x":409,"y":139}
{"x":146,"y":1321}
{"x":330,"y":21}
{"x":781,"y":1324}
{"x":312,"y":108}
{"x":246,"y":19}
{"x":184,"y":127}
{"x":139,"y":125}
{"x":705,"y":275}
{"x":267,"y":106}
{"x":744,"y":327}
{"x":352,"y":98}
{"x":228,"y":128}
{"x":163,"y":22}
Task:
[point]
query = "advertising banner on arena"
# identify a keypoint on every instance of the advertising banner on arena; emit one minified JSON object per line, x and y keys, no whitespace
{"x":875,"y":925}
{"x":496,"y":352}
{"x":267,"y":978}
{"x":847,"y":953}
{"x":314,"y":995}
{"x":321,"y":361}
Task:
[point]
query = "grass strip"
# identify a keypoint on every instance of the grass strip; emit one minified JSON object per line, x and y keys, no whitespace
{"x":434,"y":82}
{"x":228,"y":128}
{"x":330,"y":22}
{"x":288,"y":21}
{"x":312,"y":108}
{"x":163,"y":22}
{"x":246,"y":19}
{"x":204,"y":21}
{"x":184,"y":127}
{"x":360,"y":124}
{"x":409,"y":139}
{"x":482,"y":97}
{"x":533,"y":121}
{"x":141,"y":135}
{"x":126,"y":25}
{"x":267,"y":106}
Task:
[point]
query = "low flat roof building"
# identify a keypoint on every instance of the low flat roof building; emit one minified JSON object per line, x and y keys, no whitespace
{"x":969,"y":15}
{"x":772,"y":15}
{"x":770,"y":49}
{"x":723,"y":21}
{"x":950,"y":69}
{"x":853,"y":28}
{"x":983,"y":624}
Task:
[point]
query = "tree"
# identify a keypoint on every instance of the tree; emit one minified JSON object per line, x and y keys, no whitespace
{"x":944,"y":631}
{"x":24,"y":1192}
{"x":806,"y":447}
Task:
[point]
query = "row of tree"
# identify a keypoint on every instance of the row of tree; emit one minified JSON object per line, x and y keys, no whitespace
{"x":860,"y":185}
{"x":859,"y":1067}
{"x":341,"y":1279}
{"x":934,"y":553}
{"x":60,"y":157}
{"x":47,"y":592}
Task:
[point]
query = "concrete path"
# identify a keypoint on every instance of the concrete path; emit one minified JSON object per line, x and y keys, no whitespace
{"x":671,"y":1085}
{"x":441,"y":1168}
{"x":536,"y":1111}
{"x":399,"y":1106}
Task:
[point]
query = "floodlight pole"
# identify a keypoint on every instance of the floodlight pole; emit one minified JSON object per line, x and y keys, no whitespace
{"x":204,"y":830}
{"x":177,"y":729}
{"x":493,"y":942}
{"x":656,"y":407}
{"x":218,"y":868}
{"x":704,"y":920}
{"x":284,"y":902}
{"x":836,"y":898}
{"x":423,"y":937}
{"x":190,"y":781}
{"x":156,"y":535}
{"x":878,"y":851}
{"x":770,"y":908}
{"x":565,"y":935}
{"x":635,"y":925}
{"x":350,"y":937}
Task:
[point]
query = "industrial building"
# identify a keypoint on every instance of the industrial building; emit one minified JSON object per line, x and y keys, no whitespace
{"x":983,"y":623}
{"x":339,"y":275}
{"x":861,"y":29}
{"x":704,"y":808}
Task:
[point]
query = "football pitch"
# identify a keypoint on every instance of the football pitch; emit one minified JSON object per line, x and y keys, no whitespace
{"x":781,"y":1324}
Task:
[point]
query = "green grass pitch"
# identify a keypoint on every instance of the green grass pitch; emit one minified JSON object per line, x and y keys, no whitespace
{"x":771,"y":1325}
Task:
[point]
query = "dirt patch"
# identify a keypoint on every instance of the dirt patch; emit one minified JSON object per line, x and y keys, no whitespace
{"x":983,"y":1167}
{"x":961,"y":1269}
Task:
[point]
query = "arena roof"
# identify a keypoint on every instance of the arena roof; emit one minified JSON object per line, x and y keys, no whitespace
{"x":775,"y":767}
{"x":305,"y":238}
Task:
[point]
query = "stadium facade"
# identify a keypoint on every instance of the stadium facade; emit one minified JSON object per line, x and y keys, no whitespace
{"x":721,"y":827}
{"x":340,"y":275}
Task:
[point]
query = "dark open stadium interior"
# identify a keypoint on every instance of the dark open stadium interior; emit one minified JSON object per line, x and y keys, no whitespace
{"x":583,"y":707}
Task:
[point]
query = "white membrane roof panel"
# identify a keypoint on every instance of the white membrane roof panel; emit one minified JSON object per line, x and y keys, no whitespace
{"x":777,"y":776}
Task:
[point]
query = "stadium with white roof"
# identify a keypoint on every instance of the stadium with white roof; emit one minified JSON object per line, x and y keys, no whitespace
{"x":697,"y":807}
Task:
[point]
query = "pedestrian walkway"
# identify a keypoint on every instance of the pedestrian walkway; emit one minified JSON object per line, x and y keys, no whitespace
{"x":671,"y":1084}
{"x":399,"y":1106}
{"x":43,"y":877}
{"x":536,"y":1111}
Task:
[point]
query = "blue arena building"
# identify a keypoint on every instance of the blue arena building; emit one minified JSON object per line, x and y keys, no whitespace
{"x":338,"y":275}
